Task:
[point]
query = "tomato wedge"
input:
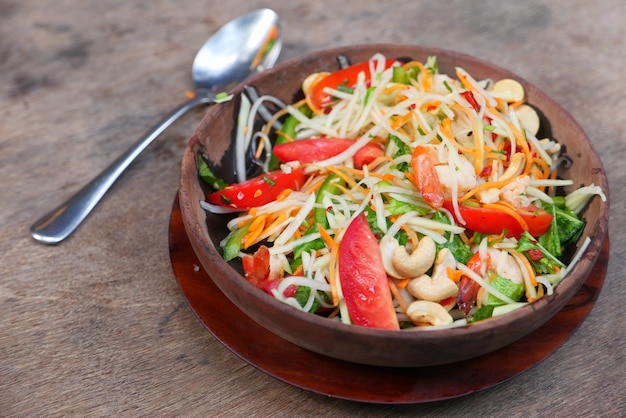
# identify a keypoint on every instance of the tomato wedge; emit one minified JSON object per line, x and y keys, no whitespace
{"x":492,"y":221}
{"x":259,"y":190}
{"x":363,"y":278}
{"x":425,"y":176}
{"x":312,"y":150}
{"x":345,"y":77}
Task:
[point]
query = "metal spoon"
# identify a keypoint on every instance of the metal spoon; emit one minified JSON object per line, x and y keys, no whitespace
{"x":246,"y":45}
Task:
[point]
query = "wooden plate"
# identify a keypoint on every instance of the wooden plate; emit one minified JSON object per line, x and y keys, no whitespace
{"x":324,"y":375}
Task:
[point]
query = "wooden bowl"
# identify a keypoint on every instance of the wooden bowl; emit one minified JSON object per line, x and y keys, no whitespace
{"x":214,"y":137}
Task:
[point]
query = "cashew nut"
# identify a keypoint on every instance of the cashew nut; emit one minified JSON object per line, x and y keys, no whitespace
{"x":423,"y":312}
{"x":515,"y":168}
{"x":387,"y":245}
{"x":416,"y":263}
{"x":425,"y":288}
{"x":439,"y":287}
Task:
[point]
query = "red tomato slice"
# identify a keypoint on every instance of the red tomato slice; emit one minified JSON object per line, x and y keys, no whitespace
{"x":259,"y":190}
{"x":312,"y":150}
{"x":346,"y":76}
{"x":367,"y":154}
{"x":363,"y":278}
{"x":491,"y":221}
{"x":425,"y":176}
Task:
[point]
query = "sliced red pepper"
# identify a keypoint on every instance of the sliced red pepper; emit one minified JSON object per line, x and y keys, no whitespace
{"x":259,"y":190}
{"x":363,"y":278}
{"x":469,"y":97}
{"x":425,"y":176}
{"x":492,"y":221}
{"x":312,"y":150}
{"x":345,"y":77}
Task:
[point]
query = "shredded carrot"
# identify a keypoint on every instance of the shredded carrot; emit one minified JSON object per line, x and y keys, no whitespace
{"x":488,"y":185}
{"x":506,"y":209}
{"x":348,"y":179}
{"x":412,"y":236}
{"x":282,"y":216}
{"x":430,"y":105}
{"x":398,"y":121}
{"x":402,"y":283}
{"x":529,"y":268}
{"x":189,"y":94}
{"x":477,"y":130}
{"x":454,"y":275}
{"x":395,"y":87}
{"x":544,"y":167}
{"x":330,"y":242}
{"x":283,"y":195}
{"x":334,"y":313}
{"x":396,"y":294}
{"x":361,"y":173}
{"x":254,"y":231}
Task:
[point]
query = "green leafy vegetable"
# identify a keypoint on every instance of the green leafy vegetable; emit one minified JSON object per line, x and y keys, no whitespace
{"x":507,"y":287}
{"x":484,"y":312}
{"x":548,"y":263}
{"x":460,"y":250}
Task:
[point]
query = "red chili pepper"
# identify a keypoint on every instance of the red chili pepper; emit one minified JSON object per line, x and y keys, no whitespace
{"x":486,"y":172}
{"x":469,"y":96}
{"x":346,"y":77}
{"x":259,"y":190}
{"x":535,"y":254}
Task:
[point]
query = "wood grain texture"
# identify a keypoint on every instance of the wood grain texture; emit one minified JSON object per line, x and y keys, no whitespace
{"x":97,"y":325}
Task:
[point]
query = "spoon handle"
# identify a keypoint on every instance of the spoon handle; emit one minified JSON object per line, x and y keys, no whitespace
{"x":64,"y":219}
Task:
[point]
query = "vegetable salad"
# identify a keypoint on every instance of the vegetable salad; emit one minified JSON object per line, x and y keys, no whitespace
{"x":394,"y":196}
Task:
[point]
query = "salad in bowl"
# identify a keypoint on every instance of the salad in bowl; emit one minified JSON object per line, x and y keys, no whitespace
{"x":397,"y":192}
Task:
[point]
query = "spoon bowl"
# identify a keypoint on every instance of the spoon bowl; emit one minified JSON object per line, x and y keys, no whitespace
{"x":244,"y":46}
{"x":228,"y":58}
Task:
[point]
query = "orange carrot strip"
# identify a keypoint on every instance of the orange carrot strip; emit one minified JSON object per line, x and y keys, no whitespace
{"x":508,"y":211}
{"x":330,"y":242}
{"x":396,"y":294}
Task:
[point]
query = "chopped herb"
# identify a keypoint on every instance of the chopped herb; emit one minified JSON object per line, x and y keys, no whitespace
{"x":269,"y":181}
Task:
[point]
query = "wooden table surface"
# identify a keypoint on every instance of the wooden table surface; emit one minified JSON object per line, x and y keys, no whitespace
{"x":98,"y":326}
